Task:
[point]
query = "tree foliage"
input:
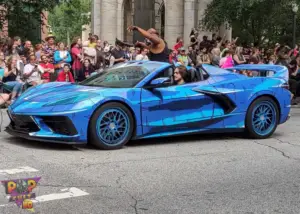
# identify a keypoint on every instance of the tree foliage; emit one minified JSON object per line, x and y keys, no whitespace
{"x":24,"y":17}
{"x":69,"y":17}
{"x":254,"y":21}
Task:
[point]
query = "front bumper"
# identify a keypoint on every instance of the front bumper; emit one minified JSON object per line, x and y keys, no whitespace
{"x":54,"y":129}
{"x":49,"y":139}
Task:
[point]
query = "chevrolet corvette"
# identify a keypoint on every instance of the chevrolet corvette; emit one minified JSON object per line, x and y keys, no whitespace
{"x":138,"y":100}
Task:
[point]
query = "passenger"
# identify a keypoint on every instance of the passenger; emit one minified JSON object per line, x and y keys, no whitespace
{"x":180,"y":75}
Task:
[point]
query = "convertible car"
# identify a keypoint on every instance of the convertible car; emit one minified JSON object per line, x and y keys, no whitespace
{"x":137,"y":100}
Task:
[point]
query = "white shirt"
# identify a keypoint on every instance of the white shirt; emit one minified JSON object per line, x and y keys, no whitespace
{"x":141,"y":57}
{"x":35,"y":77}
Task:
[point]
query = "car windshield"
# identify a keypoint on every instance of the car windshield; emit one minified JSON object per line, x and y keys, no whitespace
{"x":121,"y":76}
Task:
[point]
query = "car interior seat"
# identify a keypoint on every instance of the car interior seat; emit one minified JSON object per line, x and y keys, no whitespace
{"x":194,"y":75}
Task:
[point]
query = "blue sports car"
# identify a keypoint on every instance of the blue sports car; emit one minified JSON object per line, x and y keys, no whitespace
{"x":137,"y":100}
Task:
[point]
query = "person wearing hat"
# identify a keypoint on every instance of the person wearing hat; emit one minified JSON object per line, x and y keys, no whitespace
{"x":50,"y":47}
{"x":183,"y":57}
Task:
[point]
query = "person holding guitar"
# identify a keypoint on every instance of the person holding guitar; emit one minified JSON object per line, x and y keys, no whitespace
{"x":61,"y":57}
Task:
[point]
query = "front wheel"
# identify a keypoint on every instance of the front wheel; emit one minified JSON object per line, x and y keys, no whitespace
{"x":262,"y":118}
{"x":111,"y":126}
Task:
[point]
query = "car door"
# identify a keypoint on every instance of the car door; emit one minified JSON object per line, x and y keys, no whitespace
{"x":178,"y":109}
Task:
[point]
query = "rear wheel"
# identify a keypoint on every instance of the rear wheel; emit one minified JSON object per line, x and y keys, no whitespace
{"x":262,"y":118}
{"x":111,"y":126}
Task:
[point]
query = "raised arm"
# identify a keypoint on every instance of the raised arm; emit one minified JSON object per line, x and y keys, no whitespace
{"x":154,"y":39}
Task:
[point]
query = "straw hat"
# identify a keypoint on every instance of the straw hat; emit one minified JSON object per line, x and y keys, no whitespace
{"x":50,"y":36}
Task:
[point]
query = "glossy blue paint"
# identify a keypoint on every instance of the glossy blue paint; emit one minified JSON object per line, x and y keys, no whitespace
{"x":218,"y":103}
{"x":159,"y":81}
{"x":264,"y":118}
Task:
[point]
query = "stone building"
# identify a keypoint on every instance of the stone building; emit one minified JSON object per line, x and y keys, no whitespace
{"x":172,"y":18}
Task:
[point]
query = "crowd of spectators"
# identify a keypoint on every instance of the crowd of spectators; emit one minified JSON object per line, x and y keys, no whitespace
{"x":23,"y":65}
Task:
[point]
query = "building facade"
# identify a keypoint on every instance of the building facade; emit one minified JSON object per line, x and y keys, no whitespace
{"x":172,"y":18}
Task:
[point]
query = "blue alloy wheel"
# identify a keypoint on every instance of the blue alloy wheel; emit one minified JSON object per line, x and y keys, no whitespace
{"x":264,"y":118}
{"x":113,"y":126}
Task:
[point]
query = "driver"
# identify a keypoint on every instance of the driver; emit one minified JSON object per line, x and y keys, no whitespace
{"x":180,"y":75}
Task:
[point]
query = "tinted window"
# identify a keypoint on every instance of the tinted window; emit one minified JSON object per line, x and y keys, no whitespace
{"x":118,"y":77}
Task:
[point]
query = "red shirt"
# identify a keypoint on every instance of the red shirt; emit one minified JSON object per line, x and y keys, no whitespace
{"x":65,"y":77}
{"x":76,"y":63}
{"x":177,"y":46}
{"x":46,"y":75}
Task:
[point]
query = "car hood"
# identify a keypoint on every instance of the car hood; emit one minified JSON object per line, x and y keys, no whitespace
{"x":55,"y":97}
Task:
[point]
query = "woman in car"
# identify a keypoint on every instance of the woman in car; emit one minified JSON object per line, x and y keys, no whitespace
{"x":181,"y":75}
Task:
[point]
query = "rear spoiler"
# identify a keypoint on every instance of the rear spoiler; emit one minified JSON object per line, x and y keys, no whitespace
{"x":279,"y":70}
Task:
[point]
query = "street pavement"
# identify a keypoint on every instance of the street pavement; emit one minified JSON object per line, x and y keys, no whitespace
{"x":191,"y":174}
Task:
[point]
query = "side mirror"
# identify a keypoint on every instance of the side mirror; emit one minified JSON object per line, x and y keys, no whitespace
{"x":159,"y":82}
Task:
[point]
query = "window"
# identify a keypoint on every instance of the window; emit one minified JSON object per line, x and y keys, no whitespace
{"x":119,"y":77}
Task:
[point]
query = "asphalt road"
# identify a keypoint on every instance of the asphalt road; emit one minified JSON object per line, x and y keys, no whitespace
{"x":198,"y":174}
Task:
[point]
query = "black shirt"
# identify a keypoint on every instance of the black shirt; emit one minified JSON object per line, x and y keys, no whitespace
{"x":160,"y":57}
{"x":117,"y":54}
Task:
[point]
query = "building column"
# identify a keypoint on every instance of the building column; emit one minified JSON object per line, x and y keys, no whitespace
{"x":226,"y":30}
{"x":96,"y":17}
{"x":120,"y":17}
{"x":202,"y":5}
{"x":108,"y":29}
{"x":173,"y":21}
{"x":189,"y":19}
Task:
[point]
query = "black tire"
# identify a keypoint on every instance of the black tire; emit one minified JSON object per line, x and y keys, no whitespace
{"x":96,"y":134}
{"x":251,"y":130}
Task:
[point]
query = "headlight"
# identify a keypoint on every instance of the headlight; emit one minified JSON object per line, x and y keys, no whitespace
{"x":70,"y":100}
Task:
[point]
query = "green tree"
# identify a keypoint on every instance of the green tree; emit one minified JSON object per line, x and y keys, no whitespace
{"x":24,"y":17}
{"x":67,"y":19}
{"x":254,"y":21}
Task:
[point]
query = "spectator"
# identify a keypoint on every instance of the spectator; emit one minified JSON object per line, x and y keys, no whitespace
{"x":100,"y":58}
{"x":179,"y":44}
{"x":48,"y":68}
{"x":77,"y":56}
{"x":61,"y":57}
{"x":203,"y":57}
{"x":65,"y":75}
{"x":91,"y":43}
{"x":2,"y":60}
{"x":16,"y":47}
{"x":205,"y":43}
{"x":86,"y":70}
{"x":33,"y":72}
{"x":38,"y":52}
{"x":12,"y":78}
{"x":183,"y":58}
{"x":118,"y":53}
{"x":227,"y":61}
{"x":192,"y":55}
{"x":133,"y":54}
{"x":215,"y":59}
{"x":272,"y":60}
{"x":109,"y":58}
{"x":143,"y":56}
{"x":173,"y":57}
{"x":50,"y":47}
{"x":255,"y":58}
{"x":238,"y":57}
